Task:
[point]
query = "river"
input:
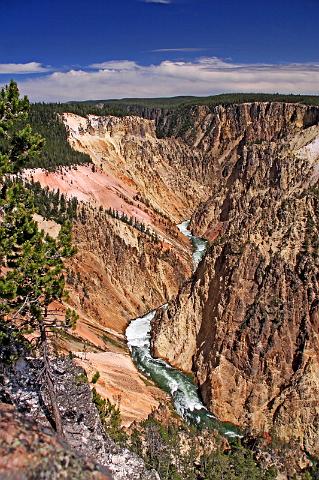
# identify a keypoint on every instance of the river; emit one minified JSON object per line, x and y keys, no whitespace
{"x":183,"y":390}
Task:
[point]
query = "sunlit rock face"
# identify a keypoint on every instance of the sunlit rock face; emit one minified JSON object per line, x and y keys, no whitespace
{"x":119,"y":271}
{"x":247,"y":323}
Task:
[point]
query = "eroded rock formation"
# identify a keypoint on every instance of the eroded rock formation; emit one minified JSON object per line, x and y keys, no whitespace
{"x":247,"y":323}
{"x":119,"y":272}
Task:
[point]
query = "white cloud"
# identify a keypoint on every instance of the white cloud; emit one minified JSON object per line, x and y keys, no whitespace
{"x":205,"y":76}
{"x":115,"y":65}
{"x":22,"y":68}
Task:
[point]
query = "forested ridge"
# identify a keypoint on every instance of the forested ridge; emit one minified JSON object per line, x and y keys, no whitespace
{"x":51,"y":204}
{"x":45,"y":118}
{"x":212,"y":100}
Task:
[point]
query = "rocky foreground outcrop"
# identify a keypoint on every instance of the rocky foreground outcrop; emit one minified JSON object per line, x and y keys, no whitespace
{"x":247,"y":323}
{"x":29,"y":452}
{"x":28,"y":446}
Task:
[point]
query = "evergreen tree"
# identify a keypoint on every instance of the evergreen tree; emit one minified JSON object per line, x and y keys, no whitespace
{"x":18,"y":144}
{"x":31,"y":263}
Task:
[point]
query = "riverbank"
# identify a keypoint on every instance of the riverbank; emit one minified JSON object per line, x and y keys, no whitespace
{"x":182,"y":389}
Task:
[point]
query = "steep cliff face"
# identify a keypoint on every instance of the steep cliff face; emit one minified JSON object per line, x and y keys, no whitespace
{"x":247,"y":323}
{"x":119,"y":272}
{"x":128,"y":149}
{"x":140,"y":177}
{"x":220,"y":132}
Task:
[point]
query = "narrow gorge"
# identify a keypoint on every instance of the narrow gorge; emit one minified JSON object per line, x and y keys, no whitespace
{"x":225,"y":307}
{"x":245,"y":323}
{"x":182,"y":389}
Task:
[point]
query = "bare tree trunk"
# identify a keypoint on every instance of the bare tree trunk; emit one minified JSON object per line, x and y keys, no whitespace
{"x":49,"y":382}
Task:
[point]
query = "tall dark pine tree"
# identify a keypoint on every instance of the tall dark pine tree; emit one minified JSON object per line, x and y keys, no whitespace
{"x":31,"y":263}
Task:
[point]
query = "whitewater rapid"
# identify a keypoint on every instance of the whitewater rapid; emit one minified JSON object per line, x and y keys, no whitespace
{"x":199,"y":244}
{"x":180,"y":386}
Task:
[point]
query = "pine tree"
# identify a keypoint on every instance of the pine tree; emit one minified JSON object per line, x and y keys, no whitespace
{"x":31,"y":263}
{"x":18,"y":144}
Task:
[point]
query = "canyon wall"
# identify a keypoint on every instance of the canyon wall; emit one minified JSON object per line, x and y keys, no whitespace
{"x":130,"y":264}
{"x":119,"y":272}
{"x":128,"y":150}
{"x":215,"y":133}
{"x":247,"y":322}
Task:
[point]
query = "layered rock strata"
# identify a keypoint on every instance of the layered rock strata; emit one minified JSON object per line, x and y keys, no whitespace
{"x":247,"y":323}
{"x":119,"y":272}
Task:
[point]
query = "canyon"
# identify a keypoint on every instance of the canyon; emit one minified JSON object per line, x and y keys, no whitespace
{"x":121,"y":271}
{"x":246,"y":322}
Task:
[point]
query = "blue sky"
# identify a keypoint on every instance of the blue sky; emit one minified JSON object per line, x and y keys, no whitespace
{"x":62,"y":50}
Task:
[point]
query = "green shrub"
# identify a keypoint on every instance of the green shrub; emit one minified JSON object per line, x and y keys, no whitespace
{"x":110,"y":416}
{"x":81,"y":379}
{"x":95,"y":377}
{"x":162,"y":448}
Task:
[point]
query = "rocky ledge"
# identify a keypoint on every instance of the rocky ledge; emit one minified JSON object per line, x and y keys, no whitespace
{"x":29,"y":439}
